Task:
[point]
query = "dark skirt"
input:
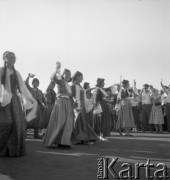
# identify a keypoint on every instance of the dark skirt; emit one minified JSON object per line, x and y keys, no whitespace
{"x":61,"y":123}
{"x":83,"y":130}
{"x":12,"y":129}
{"x":102,"y":124}
{"x":89,"y":117}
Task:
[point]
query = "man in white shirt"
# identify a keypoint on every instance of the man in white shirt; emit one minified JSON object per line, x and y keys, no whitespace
{"x":167,"y":105}
{"x":146,"y":107}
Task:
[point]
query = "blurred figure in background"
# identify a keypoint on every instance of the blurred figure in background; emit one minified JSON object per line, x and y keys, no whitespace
{"x":125,"y":116}
{"x":156,"y":116}
{"x":167,"y":104}
{"x":135,"y":100}
{"x":89,"y":102}
{"x":102,"y":114}
{"x":36,"y":123}
{"x":146,"y":107}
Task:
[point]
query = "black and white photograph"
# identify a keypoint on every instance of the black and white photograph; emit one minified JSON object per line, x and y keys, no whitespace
{"x":84,"y":89}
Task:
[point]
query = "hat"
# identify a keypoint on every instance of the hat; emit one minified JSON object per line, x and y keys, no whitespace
{"x":125,"y":82}
{"x":146,"y":86}
{"x":99,"y":81}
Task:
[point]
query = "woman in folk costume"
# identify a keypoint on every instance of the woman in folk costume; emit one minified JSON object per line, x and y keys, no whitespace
{"x":156,"y":116}
{"x":89,"y":115}
{"x":125,"y":115}
{"x":50,"y":97}
{"x":36,"y":123}
{"x":14,"y":99}
{"x":61,"y":122}
{"x":102,"y":114}
{"x":83,"y":132}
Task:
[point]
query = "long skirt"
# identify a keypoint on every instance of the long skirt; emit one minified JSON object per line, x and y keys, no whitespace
{"x":125,"y":116}
{"x":83,"y":131}
{"x":89,"y":117}
{"x":38,"y":121}
{"x":102,"y":123}
{"x":12,"y":129}
{"x":47,"y":115}
{"x":61,"y":123}
{"x":156,"y":116}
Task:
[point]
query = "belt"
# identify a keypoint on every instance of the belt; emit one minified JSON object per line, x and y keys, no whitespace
{"x":67,"y":97}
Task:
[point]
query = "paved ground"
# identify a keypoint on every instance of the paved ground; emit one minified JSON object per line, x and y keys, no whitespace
{"x":80,"y":162}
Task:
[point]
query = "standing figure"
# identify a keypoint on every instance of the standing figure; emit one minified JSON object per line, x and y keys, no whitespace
{"x":146,"y":107}
{"x":61,"y":122}
{"x":50,"y":97}
{"x":156,"y":116}
{"x":167,"y":105}
{"x":36,"y":123}
{"x":125,"y":116}
{"x":102,"y":117}
{"x":89,"y":113}
{"x":111,"y":104}
{"x":83,"y":132}
{"x":14,"y":99}
{"x":135,"y":103}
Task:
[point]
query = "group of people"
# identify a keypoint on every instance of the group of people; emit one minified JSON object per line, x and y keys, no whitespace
{"x":75,"y":114}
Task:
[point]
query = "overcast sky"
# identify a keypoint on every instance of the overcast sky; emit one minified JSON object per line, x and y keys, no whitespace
{"x":101,"y":38}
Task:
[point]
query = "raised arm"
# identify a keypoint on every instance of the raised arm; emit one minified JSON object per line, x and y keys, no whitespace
{"x":163,"y":87}
{"x":27,"y":82}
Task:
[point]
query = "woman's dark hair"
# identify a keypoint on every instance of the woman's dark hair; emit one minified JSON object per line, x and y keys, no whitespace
{"x":3,"y":78}
{"x":125,"y":82}
{"x":99,"y":82}
{"x":64,"y":72}
{"x":77,"y":74}
{"x":35,"y":80}
{"x":86,"y":85}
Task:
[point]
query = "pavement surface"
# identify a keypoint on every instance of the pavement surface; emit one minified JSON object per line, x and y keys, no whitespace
{"x":80,"y":162}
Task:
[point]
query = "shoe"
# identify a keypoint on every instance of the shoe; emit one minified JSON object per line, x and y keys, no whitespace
{"x":103,"y":139}
{"x":64,"y":146}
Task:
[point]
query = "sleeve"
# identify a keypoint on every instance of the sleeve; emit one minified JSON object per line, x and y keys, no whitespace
{"x":55,"y":79}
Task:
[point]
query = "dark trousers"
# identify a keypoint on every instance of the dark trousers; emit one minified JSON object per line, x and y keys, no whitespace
{"x":168,"y":115}
{"x":135,"y":111}
{"x":146,"y":111}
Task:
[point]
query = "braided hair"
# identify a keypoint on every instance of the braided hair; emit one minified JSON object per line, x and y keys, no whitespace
{"x":3,"y":78}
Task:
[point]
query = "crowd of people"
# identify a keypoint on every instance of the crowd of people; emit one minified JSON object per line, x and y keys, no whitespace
{"x":75,"y":114}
